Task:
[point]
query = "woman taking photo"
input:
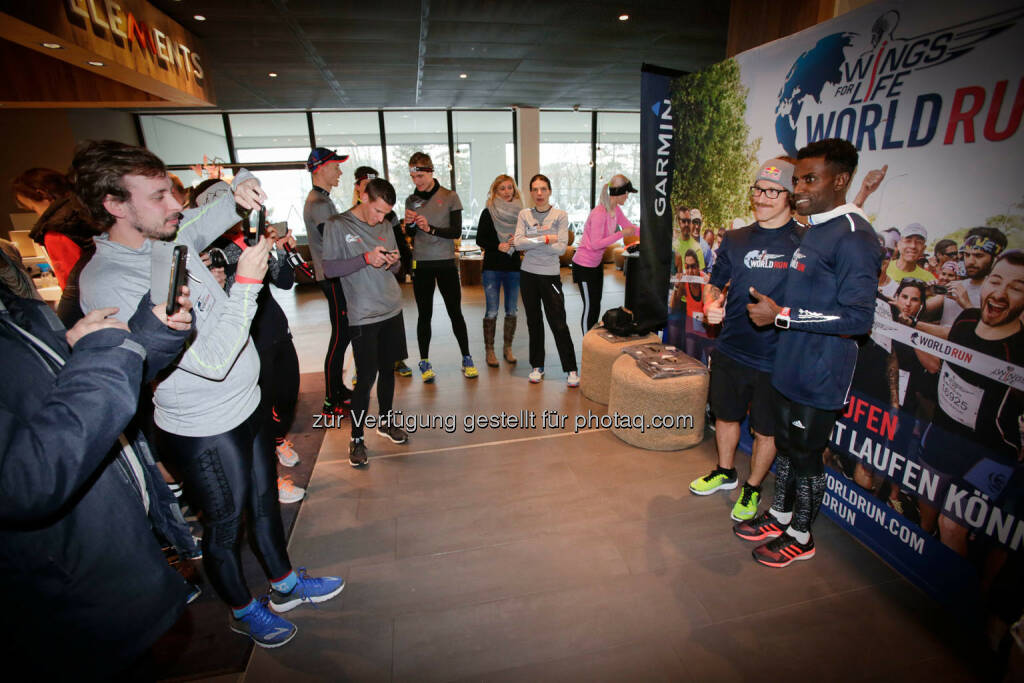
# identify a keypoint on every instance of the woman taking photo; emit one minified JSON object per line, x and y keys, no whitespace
{"x":542,"y":234}
{"x":433,"y":217}
{"x":601,"y":230}
{"x":501,"y":261}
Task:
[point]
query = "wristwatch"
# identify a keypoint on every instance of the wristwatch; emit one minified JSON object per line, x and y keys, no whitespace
{"x":782,"y":319}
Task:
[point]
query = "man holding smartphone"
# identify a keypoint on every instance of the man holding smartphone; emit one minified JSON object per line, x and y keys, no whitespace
{"x":360,"y":249}
{"x":980,"y":249}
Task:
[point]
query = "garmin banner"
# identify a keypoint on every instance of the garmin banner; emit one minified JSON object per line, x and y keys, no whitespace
{"x":925,"y":465}
{"x":647,"y":277}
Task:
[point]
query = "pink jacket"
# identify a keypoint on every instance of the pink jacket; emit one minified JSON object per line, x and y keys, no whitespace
{"x":598,"y":232}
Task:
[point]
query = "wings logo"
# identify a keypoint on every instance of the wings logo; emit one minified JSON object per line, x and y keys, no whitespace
{"x":838,"y":87}
{"x":350,"y":238}
{"x":760,"y":258}
{"x":795,"y":264}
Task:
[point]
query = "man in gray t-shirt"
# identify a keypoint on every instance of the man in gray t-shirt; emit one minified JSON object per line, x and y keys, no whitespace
{"x":360,"y":249}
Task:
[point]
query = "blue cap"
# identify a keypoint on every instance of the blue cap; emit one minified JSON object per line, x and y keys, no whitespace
{"x":321,"y":155}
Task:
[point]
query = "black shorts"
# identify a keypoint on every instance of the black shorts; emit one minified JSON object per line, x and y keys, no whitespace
{"x":737,"y":388}
{"x":386,"y":339}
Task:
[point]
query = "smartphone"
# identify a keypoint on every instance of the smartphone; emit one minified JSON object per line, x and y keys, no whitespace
{"x":254,"y":229}
{"x":178,"y":277}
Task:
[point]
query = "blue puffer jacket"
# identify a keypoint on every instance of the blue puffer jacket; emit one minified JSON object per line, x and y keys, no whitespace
{"x":86,"y":585}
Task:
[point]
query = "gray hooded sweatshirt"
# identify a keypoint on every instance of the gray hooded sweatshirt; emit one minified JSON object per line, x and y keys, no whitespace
{"x":211,"y":389}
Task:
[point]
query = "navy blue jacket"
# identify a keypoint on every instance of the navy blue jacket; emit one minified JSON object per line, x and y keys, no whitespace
{"x":87,"y":587}
{"x":830,"y":290}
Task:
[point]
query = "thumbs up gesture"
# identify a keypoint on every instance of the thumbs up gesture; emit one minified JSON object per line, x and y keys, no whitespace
{"x":763,"y":311}
{"x":714,"y":309}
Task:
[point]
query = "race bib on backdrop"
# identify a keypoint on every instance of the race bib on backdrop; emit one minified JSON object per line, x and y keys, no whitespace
{"x":957,"y":398}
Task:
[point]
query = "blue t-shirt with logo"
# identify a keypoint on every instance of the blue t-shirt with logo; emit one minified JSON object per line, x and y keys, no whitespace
{"x":752,"y":257}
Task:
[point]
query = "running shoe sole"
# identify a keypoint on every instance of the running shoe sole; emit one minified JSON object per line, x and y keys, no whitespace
{"x":779,"y":565}
{"x":723,"y":487}
{"x":767,"y":533}
{"x":268,"y":646}
{"x":289,"y":605}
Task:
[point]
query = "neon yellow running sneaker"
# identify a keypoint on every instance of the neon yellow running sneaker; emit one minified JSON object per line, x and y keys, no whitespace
{"x":746,"y":507}
{"x":719,"y":479}
{"x":468,"y":369}
{"x":427,"y":372}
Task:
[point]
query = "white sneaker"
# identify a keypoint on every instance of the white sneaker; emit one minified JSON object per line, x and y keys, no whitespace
{"x":536,"y":375}
{"x":573,"y":380}
{"x":286,"y":455}
{"x":287,"y":492}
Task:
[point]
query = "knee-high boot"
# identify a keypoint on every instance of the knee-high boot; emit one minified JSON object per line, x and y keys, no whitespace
{"x":490,"y":325}
{"x":510,"y":332}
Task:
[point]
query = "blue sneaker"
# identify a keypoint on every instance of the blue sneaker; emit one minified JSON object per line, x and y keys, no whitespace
{"x":427,"y":372}
{"x":264,"y":627}
{"x":308,"y":589}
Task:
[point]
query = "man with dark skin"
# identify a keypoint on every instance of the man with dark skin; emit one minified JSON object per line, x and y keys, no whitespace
{"x":828,"y":300}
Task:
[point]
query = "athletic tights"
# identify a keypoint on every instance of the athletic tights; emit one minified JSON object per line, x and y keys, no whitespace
{"x":447,"y":279}
{"x":334,"y":361}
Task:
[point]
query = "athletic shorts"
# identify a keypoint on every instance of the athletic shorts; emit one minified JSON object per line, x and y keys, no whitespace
{"x":386,"y":336}
{"x":737,"y":389}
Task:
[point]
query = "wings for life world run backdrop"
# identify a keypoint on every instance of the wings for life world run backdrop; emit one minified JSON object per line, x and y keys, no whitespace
{"x":925,"y":464}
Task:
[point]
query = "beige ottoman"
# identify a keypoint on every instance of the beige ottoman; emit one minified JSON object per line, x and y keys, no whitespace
{"x":566,"y":258}
{"x":635,"y":396}
{"x":599,"y":355}
{"x":608,"y":256}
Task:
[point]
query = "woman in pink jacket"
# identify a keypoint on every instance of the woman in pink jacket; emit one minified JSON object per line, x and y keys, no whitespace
{"x":605,"y":225}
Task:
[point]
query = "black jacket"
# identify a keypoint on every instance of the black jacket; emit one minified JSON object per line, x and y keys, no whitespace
{"x":86,"y":585}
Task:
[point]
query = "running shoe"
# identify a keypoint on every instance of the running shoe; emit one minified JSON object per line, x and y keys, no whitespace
{"x":287,"y":492}
{"x":761,"y":527}
{"x":306,"y":589}
{"x":718,"y":480}
{"x":746,"y":507}
{"x":357,"y":453}
{"x":286,"y":454}
{"x":782,"y":551}
{"x":536,"y":375}
{"x":394,"y":433}
{"x":573,"y":380}
{"x":338,"y":410}
{"x":264,"y":627}
{"x":402,"y":370}
{"x":468,"y":369}
{"x":427,"y":372}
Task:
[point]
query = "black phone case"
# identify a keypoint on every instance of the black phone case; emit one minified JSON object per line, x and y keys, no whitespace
{"x":179,"y":276}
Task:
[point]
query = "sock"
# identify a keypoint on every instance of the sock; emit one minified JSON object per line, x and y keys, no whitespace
{"x":286,"y":584}
{"x":357,"y":439}
{"x":752,"y":487}
{"x":782,"y":517}
{"x":802,"y":536}
{"x":731,"y":471}
{"x":175,"y":488}
{"x":242,"y":611}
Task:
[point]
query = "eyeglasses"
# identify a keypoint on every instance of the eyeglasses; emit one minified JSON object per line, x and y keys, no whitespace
{"x":684,"y":220}
{"x":769,"y":192}
{"x":952,"y":253}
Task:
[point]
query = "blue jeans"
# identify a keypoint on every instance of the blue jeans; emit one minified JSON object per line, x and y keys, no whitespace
{"x":493,"y":281}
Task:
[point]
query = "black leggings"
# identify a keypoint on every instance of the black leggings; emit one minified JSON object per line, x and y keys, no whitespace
{"x":376,"y":347}
{"x":591,"y":283}
{"x":547,"y":289}
{"x":801,"y":436}
{"x":279,"y":386}
{"x":447,"y":280}
{"x":227,"y":475}
{"x":337,"y":392}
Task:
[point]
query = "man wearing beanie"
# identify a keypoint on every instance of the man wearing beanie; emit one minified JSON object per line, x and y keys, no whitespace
{"x":756,"y":256}
{"x":325,"y":167}
{"x":828,"y":300}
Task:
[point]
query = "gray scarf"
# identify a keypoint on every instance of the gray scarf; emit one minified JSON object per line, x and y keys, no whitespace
{"x":504,"y":215}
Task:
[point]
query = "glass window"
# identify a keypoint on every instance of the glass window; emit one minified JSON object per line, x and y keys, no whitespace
{"x":408,"y":132}
{"x":185,"y":138}
{"x":483,"y":151}
{"x":618,"y":151}
{"x":270,"y":137}
{"x":565,"y":159}
{"x":356,"y":133}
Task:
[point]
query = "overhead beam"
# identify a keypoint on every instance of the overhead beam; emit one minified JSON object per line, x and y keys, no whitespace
{"x":422,"y":58}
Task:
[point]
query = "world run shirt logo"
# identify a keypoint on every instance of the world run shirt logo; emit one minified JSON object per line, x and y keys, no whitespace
{"x":760,"y":258}
{"x":852,"y":86}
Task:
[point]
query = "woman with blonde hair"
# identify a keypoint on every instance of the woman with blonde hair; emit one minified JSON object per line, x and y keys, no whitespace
{"x":494,"y":235}
{"x":605,"y":226}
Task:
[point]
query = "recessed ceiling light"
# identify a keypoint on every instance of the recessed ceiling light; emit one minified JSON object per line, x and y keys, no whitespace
{"x":199,"y":17}
{"x":52,"y":46}
{"x":95,"y":63}
{"x":272,"y":74}
{"x":623,"y":17}
{"x":463,"y":75}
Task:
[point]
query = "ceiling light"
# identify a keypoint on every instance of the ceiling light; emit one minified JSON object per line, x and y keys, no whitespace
{"x":199,"y":17}
{"x":95,"y":63}
{"x":623,"y":17}
{"x":463,"y":75}
{"x":272,"y":74}
{"x":52,"y":46}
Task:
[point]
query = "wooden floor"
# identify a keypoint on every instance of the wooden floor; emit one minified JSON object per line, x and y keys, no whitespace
{"x":541,"y":554}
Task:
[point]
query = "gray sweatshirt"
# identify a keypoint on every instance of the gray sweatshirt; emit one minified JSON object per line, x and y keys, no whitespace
{"x":437,"y":210}
{"x":317,"y":210}
{"x":540,"y":258}
{"x":211,"y":389}
{"x":372,"y":293}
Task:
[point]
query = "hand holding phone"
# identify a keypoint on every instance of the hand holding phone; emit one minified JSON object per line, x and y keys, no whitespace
{"x":253,"y":229}
{"x":178,"y":278}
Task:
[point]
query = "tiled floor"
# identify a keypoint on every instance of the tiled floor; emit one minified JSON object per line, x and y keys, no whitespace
{"x":540,"y":554}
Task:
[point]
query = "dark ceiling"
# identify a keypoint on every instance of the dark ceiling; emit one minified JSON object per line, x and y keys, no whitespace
{"x":338,"y":54}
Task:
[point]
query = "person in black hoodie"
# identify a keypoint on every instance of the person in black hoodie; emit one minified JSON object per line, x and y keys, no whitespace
{"x":87,"y":585}
{"x":501,"y":262}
